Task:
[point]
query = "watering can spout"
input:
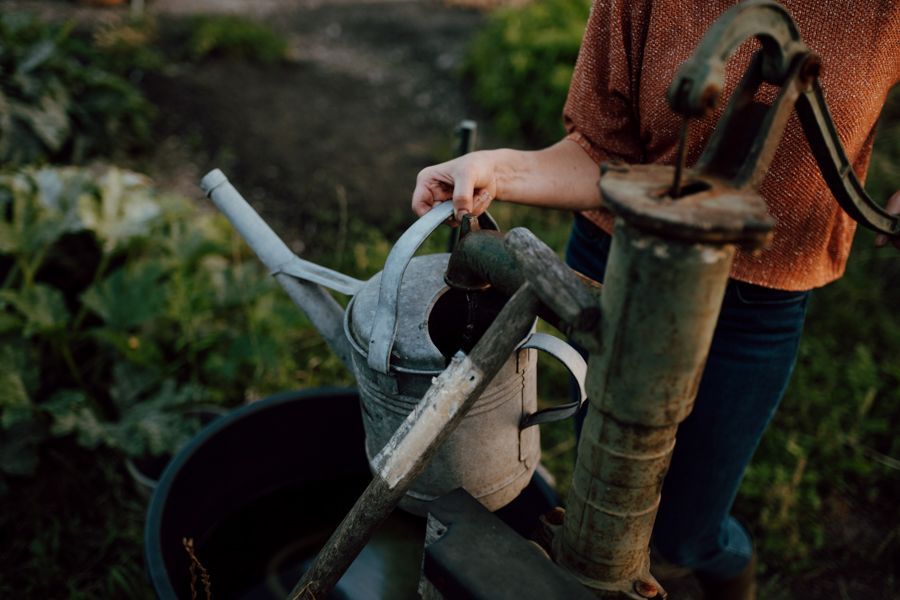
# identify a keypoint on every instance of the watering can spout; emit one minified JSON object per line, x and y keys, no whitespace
{"x":301,"y":279}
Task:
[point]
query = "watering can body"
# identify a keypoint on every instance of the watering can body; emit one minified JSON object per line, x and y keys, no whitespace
{"x":398,"y":333}
{"x":489,"y":454}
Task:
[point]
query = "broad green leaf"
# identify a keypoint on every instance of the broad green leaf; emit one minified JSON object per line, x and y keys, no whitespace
{"x":72,"y":413}
{"x":125,"y":208}
{"x":15,"y":405}
{"x":43,"y":307}
{"x":158,"y":424}
{"x":135,"y":347}
{"x":10,"y":322}
{"x":131,"y":382}
{"x":39,"y":210}
{"x":47,"y":118}
{"x":36,"y":55}
{"x":129,"y":296}
{"x":60,"y":190}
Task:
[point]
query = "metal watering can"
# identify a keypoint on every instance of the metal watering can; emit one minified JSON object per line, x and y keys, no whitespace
{"x":398,"y":332}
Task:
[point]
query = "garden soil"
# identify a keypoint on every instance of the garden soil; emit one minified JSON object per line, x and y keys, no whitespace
{"x":371,"y":94}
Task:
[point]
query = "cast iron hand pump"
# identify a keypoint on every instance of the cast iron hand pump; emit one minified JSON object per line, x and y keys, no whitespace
{"x":672,"y":249}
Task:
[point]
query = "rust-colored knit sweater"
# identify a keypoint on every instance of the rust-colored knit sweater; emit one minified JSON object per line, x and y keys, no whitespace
{"x":617,"y":110}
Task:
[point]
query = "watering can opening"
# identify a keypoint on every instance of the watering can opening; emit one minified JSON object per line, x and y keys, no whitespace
{"x":459,"y":318}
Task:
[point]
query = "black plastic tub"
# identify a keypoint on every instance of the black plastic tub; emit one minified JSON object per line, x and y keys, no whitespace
{"x":260,"y":490}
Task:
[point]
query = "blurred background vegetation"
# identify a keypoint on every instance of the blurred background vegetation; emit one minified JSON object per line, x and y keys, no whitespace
{"x":123,"y":309}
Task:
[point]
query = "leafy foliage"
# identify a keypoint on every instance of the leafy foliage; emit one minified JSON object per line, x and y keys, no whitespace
{"x":74,"y":530}
{"x":60,"y":99}
{"x":521,"y":65}
{"x":831,"y":445}
{"x":120,"y":310}
{"x":235,"y":37}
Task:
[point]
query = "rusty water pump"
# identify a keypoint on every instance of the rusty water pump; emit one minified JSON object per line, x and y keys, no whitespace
{"x":674,"y":240}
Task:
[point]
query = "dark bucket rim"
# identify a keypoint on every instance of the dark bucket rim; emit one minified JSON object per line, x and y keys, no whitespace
{"x":153,"y":557}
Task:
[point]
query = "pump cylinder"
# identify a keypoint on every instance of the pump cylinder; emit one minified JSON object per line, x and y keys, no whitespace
{"x":660,"y":304}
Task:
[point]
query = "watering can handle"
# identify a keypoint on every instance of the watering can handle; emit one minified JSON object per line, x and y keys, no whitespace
{"x":381,"y":339}
{"x":573,"y":361}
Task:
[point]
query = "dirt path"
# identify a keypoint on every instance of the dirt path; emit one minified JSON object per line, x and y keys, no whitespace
{"x":370,"y":96}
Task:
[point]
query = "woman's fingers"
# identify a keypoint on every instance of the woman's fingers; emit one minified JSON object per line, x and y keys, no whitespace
{"x":893,"y":207}
{"x":463,"y":194}
{"x":466,"y":181}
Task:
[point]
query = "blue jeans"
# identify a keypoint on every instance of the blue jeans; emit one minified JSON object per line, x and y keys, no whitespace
{"x":753,"y":352}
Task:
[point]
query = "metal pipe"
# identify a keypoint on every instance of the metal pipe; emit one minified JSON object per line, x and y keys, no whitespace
{"x":641,"y":385}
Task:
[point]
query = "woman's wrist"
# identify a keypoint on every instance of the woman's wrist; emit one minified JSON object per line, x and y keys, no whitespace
{"x":561,"y":176}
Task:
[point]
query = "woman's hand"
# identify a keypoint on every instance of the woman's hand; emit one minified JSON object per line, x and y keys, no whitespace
{"x":469,"y":181}
{"x":893,"y":207}
{"x":561,"y":176}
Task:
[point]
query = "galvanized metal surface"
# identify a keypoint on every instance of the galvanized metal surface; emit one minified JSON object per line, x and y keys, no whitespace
{"x":414,"y":358}
{"x":323,"y":311}
{"x":384,"y":326}
{"x":573,"y":362}
{"x":389,"y":315}
{"x":488,"y":454}
{"x":272,"y":251}
{"x":407,"y":453}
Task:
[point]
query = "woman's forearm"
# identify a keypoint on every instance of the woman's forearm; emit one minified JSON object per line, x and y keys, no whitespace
{"x":561,"y":176}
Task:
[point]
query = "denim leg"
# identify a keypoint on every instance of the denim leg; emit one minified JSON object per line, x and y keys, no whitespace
{"x":751,"y":358}
{"x":586,"y":252}
{"x":750,"y":362}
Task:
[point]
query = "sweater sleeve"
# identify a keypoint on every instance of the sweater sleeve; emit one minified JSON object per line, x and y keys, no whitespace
{"x":600,"y":112}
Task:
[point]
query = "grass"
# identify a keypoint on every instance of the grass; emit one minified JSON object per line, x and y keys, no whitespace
{"x":73,"y":531}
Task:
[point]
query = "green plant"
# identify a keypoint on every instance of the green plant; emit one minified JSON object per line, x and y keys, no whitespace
{"x":521,"y":64}
{"x":830,"y":450}
{"x":58,"y":99}
{"x":232,"y":36}
{"x":121,"y":309}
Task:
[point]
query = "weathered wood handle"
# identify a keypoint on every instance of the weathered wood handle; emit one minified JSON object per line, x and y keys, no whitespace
{"x":557,"y":286}
{"x":409,"y":450}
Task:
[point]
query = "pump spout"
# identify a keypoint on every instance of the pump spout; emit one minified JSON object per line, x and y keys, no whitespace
{"x":302,"y":280}
{"x":484,"y":259}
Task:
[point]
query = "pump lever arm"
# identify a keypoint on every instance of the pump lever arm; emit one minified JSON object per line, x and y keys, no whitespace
{"x":701,"y":78}
{"x":835,"y":167}
{"x":784,"y":61}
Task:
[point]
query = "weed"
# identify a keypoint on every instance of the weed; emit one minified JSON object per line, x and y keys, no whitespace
{"x":229,"y":36}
